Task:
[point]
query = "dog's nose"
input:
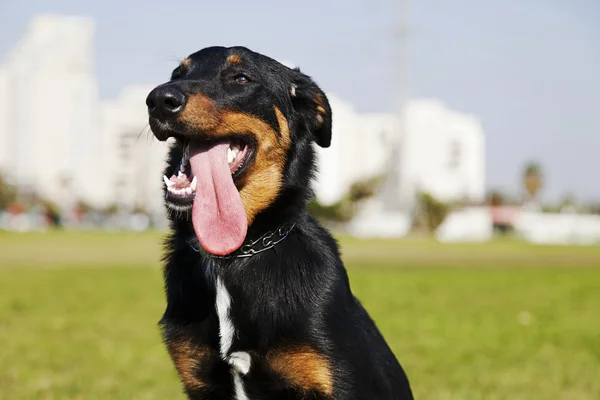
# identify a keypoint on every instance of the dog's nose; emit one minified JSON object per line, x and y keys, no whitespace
{"x":165,"y":102}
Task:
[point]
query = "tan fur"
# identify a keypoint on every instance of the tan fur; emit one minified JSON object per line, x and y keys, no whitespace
{"x":321,"y":112}
{"x":303,"y":367}
{"x":188,"y":359}
{"x":262,"y":182}
{"x":200,"y":112}
{"x":234,"y":59}
{"x":186,"y":62}
{"x":319,"y":100}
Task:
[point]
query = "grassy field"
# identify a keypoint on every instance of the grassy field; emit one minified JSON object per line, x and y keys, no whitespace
{"x":505,"y":320}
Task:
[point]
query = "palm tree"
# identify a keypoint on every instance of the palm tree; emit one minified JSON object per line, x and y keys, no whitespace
{"x":532,"y":181}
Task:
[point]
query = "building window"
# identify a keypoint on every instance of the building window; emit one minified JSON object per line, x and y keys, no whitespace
{"x":454,"y":155}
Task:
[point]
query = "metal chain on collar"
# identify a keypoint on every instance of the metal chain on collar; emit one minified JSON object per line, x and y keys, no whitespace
{"x":263,"y":243}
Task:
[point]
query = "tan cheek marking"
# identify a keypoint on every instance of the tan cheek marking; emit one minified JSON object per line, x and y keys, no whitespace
{"x":200,"y":112}
{"x":303,"y":367}
{"x":186,"y":62}
{"x":284,"y":129}
{"x":234,"y":59}
{"x":262,"y":183}
{"x":188,"y":358}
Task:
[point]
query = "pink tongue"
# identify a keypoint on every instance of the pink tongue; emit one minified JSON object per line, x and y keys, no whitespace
{"x":218,"y":214}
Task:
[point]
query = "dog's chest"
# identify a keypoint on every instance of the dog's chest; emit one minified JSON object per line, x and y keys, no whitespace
{"x":240,"y":361}
{"x":213,"y":359}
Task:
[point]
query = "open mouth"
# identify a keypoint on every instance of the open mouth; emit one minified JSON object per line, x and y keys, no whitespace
{"x":182,"y":185}
{"x":203,"y":185}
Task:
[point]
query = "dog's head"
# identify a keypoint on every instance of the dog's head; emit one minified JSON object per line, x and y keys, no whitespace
{"x":243,"y":125}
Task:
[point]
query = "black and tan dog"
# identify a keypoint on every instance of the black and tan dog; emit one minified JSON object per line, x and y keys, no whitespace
{"x":259,"y":304}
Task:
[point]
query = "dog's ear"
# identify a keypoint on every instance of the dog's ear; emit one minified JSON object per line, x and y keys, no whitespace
{"x":312,"y":105}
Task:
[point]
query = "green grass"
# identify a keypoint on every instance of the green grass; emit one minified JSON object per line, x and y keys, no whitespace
{"x":505,"y":320}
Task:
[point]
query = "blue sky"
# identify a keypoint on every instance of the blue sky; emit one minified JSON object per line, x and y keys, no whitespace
{"x":529,"y":69}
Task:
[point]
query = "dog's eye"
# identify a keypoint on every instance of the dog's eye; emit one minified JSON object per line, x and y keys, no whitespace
{"x":241,"y":79}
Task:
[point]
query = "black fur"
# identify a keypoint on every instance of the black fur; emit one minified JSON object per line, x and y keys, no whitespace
{"x":296,"y":293}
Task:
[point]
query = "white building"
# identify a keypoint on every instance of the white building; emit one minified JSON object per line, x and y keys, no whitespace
{"x":442,"y":152}
{"x":133,"y":159}
{"x":49,"y":100}
{"x":359,"y":150}
{"x":58,"y":139}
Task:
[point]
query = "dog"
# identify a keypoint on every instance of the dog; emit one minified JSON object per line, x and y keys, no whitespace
{"x":258,"y":300}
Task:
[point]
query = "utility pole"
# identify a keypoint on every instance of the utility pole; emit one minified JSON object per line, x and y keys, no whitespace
{"x":391,"y":193}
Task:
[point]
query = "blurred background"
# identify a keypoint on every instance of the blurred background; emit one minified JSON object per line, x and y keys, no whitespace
{"x":461,"y":184}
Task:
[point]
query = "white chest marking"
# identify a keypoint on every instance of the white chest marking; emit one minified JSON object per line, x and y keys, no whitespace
{"x":240,"y":361}
{"x":226,"y":328}
{"x":240,"y":393}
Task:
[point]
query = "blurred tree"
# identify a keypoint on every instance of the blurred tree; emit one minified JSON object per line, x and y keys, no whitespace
{"x":337,"y":212}
{"x":594,"y":208}
{"x":140,"y":209}
{"x":112,"y":209}
{"x":345,"y":209}
{"x":364,"y":189}
{"x":431,"y":212}
{"x":532,"y":180}
{"x":8,"y":194}
{"x":53,"y":213}
{"x":83,"y":207}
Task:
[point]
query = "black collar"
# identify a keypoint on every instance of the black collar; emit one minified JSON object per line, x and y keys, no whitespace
{"x":252,"y":247}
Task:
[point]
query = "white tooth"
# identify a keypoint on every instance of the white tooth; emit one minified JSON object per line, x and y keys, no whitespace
{"x":188,"y":190}
{"x":179,"y":174}
{"x":193,"y":184}
{"x":182,"y":167}
{"x":168,"y":181}
{"x":230,"y":156}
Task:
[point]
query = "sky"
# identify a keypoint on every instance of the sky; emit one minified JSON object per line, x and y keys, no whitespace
{"x":530,"y":70}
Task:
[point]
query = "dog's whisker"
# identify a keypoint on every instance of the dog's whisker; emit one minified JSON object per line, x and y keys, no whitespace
{"x":146,"y":130}
{"x":171,"y":58}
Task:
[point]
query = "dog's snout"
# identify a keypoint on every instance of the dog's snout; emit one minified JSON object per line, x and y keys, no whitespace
{"x":165,"y":102}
